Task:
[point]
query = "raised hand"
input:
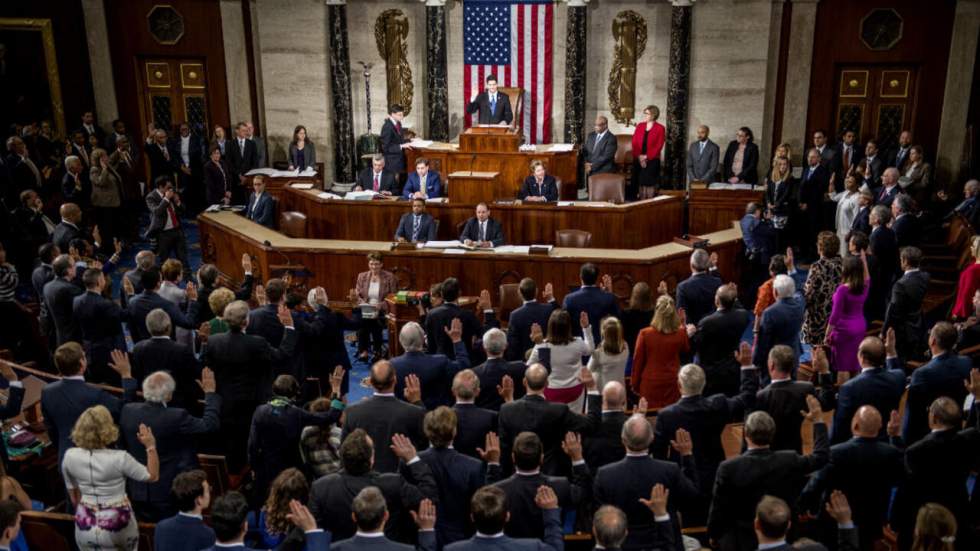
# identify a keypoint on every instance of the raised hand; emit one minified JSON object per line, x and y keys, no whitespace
{"x":128,"y":287}
{"x":320,"y":295}
{"x":973,"y":384}
{"x":546,"y":498}
{"x":583,"y":319}
{"x":607,"y":285}
{"x":894,"y":426}
{"x":260,"y":295}
{"x":682,"y":442}
{"x":890,"y":350}
{"x":506,"y":388}
{"x":191,"y":291}
{"x":145,"y":436}
{"x":537,"y":335}
{"x":247,"y":263}
{"x":713,"y":259}
{"x":572,"y":446}
{"x":642,"y":406}
{"x":425,"y":518}
{"x":117,"y":245}
{"x":96,"y":235}
{"x":814,"y":411}
{"x":285,"y":316}
{"x":789,"y":258}
{"x":549,"y":292}
{"x":337,"y":380}
{"x":838,"y":507}
{"x":484,"y":303}
{"x":119,"y":362}
{"x":207,"y":382}
{"x":413,"y":389}
{"x":300,"y":516}
{"x":455,"y":330}
{"x":820,"y":362}
{"x":352,"y":296}
{"x":658,"y":500}
{"x":402,"y":447}
{"x":744,"y":354}
{"x":662,"y":288}
{"x":491,"y":448}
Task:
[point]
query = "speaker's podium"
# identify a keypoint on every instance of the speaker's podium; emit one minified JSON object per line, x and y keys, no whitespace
{"x":471,"y":187}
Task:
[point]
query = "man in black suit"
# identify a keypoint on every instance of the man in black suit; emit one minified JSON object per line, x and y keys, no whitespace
{"x":162,"y":353}
{"x":849,"y":155}
{"x":906,"y":226}
{"x":862,"y":220}
{"x":89,"y":128}
{"x":264,"y":321}
{"x":704,"y":417}
{"x":829,"y":157}
{"x":607,"y":412}
{"x":24,"y":174}
{"x":526,"y":520}
{"x":331,"y":496}
{"x":242,"y":156}
{"x":900,"y":155}
{"x":494,"y":106}
{"x":41,"y":275}
{"x":532,"y":413}
{"x":31,"y":227}
{"x":457,"y":476}
{"x":440,"y":318}
{"x":784,"y":398}
{"x":473,"y":423}
{"x":904,"y":311}
{"x":69,"y":228}
{"x":742,"y":481}
{"x":627,"y":483}
{"x":696,"y":294}
{"x":175,"y":430}
{"x":491,"y":373}
{"x":274,"y":440}
{"x":481,"y":230}
{"x":378,"y":178}
{"x":889,"y":187}
{"x":164,"y":161}
{"x":865,"y":468}
{"x":59,"y":300}
{"x":145,"y":260}
{"x":872,"y":165}
{"x":813,"y":189}
{"x":417,"y":226}
{"x":600,"y":148}
{"x":717,"y":339}
{"x":884,"y":248}
{"x":525,"y":316}
{"x":165,"y":228}
{"x":592,"y":297}
{"x":879,"y":385}
{"x":140,"y":305}
{"x":63,"y":401}
{"x":99,"y":321}
{"x":242,"y":365}
{"x":370,"y":513}
{"x":383,"y":415}
{"x":434,"y":371}
{"x":393,"y":141}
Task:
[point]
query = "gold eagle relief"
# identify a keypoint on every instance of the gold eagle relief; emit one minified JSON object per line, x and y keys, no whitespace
{"x":630,"y":39}
{"x":391,"y":34}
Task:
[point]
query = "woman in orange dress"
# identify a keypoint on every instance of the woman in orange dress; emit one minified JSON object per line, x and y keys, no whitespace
{"x":657,"y":358}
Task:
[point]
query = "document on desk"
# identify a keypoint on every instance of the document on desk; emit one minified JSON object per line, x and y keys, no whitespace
{"x":443,"y":244}
{"x":417,"y":142}
{"x":328,"y":195}
{"x":436,"y":200}
{"x":360,"y":195}
{"x":262,"y":171}
{"x":309,"y":172}
{"x":301,"y":185}
{"x":454,"y":251}
{"x":561,"y":147}
{"x":512,"y":249}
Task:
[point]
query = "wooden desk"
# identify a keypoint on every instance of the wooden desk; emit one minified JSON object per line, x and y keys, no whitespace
{"x":334,"y":264}
{"x":278,"y":184}
{"x":470,"y":188}
{"x":710,"y":210}
{"x":627,"y":226}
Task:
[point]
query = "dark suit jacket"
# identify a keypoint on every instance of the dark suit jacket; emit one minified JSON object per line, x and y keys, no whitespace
{"x":603,"y":443}
{"x":750,"y":162}
{"x":433,"y":185}
{"x":526,"y":518}
{"x":99,"y":321}
{"x":519,"y":328}
{"x":873,"y":178}
{"x":716,"y":341}
{"x":159,"y":213}
{"x":382,"y":417}
{"x":907,"y":231}
{"x":781,"y":324}
{"x":472,"y":425}
{"x":427,"y":227}
{"x":552,"y":540}
{"x":502,"y":112}
{"x":142,"y":304}
{"x":813,"y":188}
{"x":242,"y":365}
{"x":743,"y":480}
{"x":159,"y":164}
{"x":471,"y":231}
{"x":623,"y":484}
{"x":549,"y":420}
{"x":603,"y":156}
{"x":883,"y":197}
{"x":904,"y":309}
{"x":174,"y":429}
{"x":696,"y":295}
{"x":64,"y":233}
{"x":183,"y":533}
{"x":96,"y":131}
{"x":597,"y":303}
{"x":491,"y":373}
{"x":217,"y":181}
{"x":427,"y":542}
{"x":884,"y":247}
{"x":62,"y":402}
{"x":784,"y":400}
{"x":783,"y":197}
{"x":942,"y":376}
{"x":862,"y":222}
{"x":331,"y":497}
{"x":435,"y":373}
{"x":388,"y":182}
{"x":59,"y":298}
{"x":264,"y":212}
{"x":391,"y":140}
{"x":264,"y":322}
{"x":878,"y":387}
{"x":165,"y":354}
{"x":549,"y":190}
{"x":458,"y":477}
{"x":241,"y":161}
{"x":440,"y":318}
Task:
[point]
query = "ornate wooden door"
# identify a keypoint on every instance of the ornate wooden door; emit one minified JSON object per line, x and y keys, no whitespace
{"x":174,"y":91}
{"x":877,"y":102}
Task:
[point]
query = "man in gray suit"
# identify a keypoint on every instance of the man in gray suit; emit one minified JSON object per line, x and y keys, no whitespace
{"x":702,"y":158}
{"x":600,"y":148}
{"x":259,"y":143}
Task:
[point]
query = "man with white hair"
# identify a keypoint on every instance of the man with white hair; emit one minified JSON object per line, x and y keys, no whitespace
{"x":696,"y":294}
{"x":889,"y":187}
{"x":161,"y":353}
{"x":492,"y":372}
{"x":781,"y":323}
{"x":145,"y":260}
{"x":435,"y":371}
{"x":904,"y":223}
{"x":175,"y":430}
{"x":75,"y":184}
{"x":968,"y":206}
{"x":473,"y":423}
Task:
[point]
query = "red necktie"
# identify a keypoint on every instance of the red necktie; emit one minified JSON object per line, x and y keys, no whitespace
{"x":377,"y":184}
{"x":884,"y":192}
{"x":173,"y":215}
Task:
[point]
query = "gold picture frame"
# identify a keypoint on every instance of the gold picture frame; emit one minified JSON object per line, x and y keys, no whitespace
{"x":44,"y":27}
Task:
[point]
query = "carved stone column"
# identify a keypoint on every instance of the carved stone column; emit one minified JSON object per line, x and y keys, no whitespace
{"x":436,"y":79}
{"x":343,"y":109}
{"x":678,"y":81}
{"x":575,"y":59}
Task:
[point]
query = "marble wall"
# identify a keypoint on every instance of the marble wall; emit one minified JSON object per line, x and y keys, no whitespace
{"x":103,"y":83}
{"x":236,"y":63}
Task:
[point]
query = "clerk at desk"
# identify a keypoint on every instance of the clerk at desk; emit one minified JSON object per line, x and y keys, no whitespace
{"x":261,"y":206}
{"x":423,"y":183}
{"x":494,"y":107}
{"x":376,"y":178}
{"x":481,"y":230}
{"x":540,"y":186}
{"x":416,"y":226}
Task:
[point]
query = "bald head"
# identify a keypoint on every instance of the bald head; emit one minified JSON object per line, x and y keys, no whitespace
{"x":866,"y":422}
{"x":70,"y":212}
{"x":536,"y":378}
{"x":871,"y":352}
{"x":383,"y":376}
{"x":637,"y":434}
{"x":613,"y":396}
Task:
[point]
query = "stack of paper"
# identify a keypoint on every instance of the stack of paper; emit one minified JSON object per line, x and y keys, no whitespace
{"x":327,"y":195}
{"x":360,"y":195}
{"x":301,"y":185}
{"x":417,"y":142}
{"x":559,"y":147}
{"x":512,"y":249}
{"x":310,"y":171}
{"x":443,"y":244}
{"x":262,"y":171}
{"x":432,"y":200}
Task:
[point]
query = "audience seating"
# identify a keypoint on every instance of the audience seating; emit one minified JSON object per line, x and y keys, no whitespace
{"x":293,"y":224}
{"x":56,"y":531}
{"x":607,"y":187}
{"x":216,"y":468}
{"x":573,"y":238}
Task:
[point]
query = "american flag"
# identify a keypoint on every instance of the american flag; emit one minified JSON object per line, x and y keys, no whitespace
{"x":511,"y":39}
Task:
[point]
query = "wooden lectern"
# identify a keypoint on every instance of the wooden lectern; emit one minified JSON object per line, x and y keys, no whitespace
{"x":470,"y":188}
{"x":489,"y":139}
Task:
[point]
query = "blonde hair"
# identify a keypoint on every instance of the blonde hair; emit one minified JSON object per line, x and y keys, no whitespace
{"x":665,"y":318}
{"x":612,"y":336}
{"x":94,"y":429}
{"x":777,"y":176}
{"x":218,"y":299}
{"x":975,"y":247}
{"x":171,"y":269}
{"x":935,"y":529}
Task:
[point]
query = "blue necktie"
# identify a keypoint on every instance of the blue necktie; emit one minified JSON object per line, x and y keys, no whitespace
{"x":493,"y":104}
{"x":415,"y":229}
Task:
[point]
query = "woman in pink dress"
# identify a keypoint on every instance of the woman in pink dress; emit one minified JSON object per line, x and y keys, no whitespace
{"x":846,"y":326}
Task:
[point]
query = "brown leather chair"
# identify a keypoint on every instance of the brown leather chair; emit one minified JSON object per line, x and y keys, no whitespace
{"x":624,"y":150}
{"x":573,"y":238}
{"x":607,"y":187}
{"x":516,"y":98}
{"x":292,"y":224}
{"x":510,"y":300}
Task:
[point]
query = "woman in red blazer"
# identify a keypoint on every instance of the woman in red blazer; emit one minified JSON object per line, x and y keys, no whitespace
{"x":648,"y":141}
{"x":372,"y":288}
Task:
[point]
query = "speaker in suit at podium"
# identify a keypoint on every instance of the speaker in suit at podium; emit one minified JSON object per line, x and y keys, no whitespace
{"x":393,"y":141}
{"x":600,"y":148}
{"x":417,"y":226}
{"x":481,"y":230}
{"x":494,"y":106}
{"x":377,"y":178}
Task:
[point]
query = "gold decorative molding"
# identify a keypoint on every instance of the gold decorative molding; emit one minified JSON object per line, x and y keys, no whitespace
{"x":44,"y":27}
{"x":630,"y":34}
{"x":391,"y":35}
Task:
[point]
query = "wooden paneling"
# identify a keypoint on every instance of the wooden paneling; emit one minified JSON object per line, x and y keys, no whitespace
{"x":925,"y":42}
{"x":715,"y":210}
{"x":631,"y":226}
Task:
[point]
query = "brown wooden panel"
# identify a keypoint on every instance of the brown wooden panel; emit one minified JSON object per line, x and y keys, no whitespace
{"x":714,"y":210}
